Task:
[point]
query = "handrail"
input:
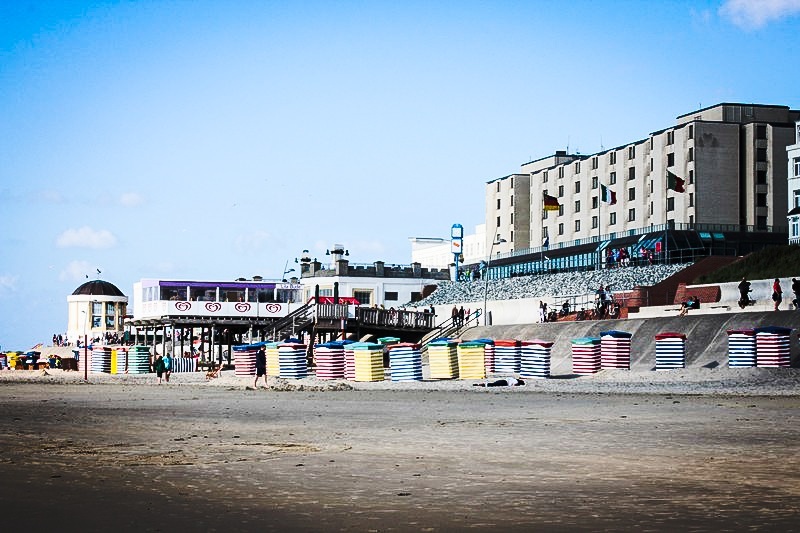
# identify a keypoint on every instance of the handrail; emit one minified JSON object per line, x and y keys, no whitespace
{"x":449,"y":327}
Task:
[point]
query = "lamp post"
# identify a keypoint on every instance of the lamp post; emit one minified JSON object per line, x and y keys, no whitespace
{"x":85,"y":347}
{"x":285,"y":271}
{"x":486,"y":278}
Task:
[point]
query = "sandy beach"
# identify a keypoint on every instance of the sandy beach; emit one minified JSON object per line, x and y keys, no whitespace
{"x":612,"y":452}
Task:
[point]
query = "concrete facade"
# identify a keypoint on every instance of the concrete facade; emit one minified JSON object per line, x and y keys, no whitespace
{"x":793,"y":192}
{"x":730,"y":156}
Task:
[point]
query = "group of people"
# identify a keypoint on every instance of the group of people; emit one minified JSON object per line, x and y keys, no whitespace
{"x":459,"y":316}
{"x":605,"y":307}
{"x":162,"y":366}
{"x":777,"y":293}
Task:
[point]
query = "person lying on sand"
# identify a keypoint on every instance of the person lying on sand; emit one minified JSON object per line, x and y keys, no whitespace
{"x":505,"y":382}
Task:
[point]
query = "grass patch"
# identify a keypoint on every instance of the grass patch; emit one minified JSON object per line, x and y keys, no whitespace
{"x":769,"y":263}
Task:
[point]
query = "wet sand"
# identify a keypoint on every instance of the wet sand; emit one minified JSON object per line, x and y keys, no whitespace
{"x":133,"y":457}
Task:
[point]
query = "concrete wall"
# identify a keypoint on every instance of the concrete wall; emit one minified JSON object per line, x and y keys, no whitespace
{"x":706,"y":344}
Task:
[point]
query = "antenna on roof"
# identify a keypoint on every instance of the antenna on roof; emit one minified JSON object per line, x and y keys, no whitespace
{"x":601,"y":144}
{"x":567,"y":144}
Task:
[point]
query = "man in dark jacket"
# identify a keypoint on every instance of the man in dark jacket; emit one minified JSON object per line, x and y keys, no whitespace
{"x":744,"y":289}
{"x":261,"y":367}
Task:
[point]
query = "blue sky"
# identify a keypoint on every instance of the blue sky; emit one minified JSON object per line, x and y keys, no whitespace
{"x":214,"y":140}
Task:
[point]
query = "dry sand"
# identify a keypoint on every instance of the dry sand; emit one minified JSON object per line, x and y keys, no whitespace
{"x":696,"y":449}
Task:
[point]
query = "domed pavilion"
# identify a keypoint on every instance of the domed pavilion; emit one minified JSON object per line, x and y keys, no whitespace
{"x":96,"y":307}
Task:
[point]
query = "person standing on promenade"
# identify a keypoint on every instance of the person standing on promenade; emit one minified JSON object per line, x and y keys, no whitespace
{"x":167,"y":366}
{"x":777,"y":293}
{"x":261,"y":367}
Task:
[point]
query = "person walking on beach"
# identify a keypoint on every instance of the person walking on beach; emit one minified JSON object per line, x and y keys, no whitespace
{"x":777,"y":293}
{"x":167,"y":366}
{"x":158,"y":367}
{"x":261,"y":367}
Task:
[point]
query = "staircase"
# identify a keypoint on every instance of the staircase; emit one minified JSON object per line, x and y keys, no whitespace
{"x":449,"y":328}
{"x":298,"y":320}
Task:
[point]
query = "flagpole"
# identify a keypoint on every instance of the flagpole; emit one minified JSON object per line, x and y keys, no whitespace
{"x":599,"y":223}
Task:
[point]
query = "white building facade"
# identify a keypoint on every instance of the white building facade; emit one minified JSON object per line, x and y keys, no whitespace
{"x":730,"y":158}
{"x":793,"y":172}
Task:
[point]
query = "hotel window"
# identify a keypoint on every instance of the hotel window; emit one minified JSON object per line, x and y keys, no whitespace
{"x":544,"y":177}
{"x":632,"y":173}
{"x":761,"y":155}
{"x":577,"y":187}
{"x":691,"y":131}
{"x":594,"y":182}
{"x":795,"y":228}
{"x":390,"y":296}
{"x":612,"y":219}
{"x":561,"y":210}
{"x":670,"y":137}
{"x":612,"y":158}
{"x":631,"y":152}
{"x":632,"y":194}
{"x":796,"y":165}
{"x":761,"y":131}
{"x":651,"y":186}
{"x":691,"y":219}
{"x":690,"y":157}
{"x":796,"y":198}
{"x":671,"y":159}
{"x":544,"y":232}
{"x":761,"y":199}
{"x":498,"y":186}
{"x":560,"y":191}
{"x":498,"y":203}
{"x":670,"y":204}
{"x":761,"y":222}
{"x":560,"y":172}
{"x":761,"y":177}
{"x":512,"y":218}
{"x":512,"y":182}
{"x":691,"y":199}
{"x":651,"y":164}
{"x":594,"y":163}
{"x":577,"y":225}
{"x":498,"y":222}
{"x":691,"y":177}
{"x":512,"y":200}
{"x":577,"y":167}
{"x":595,"y":222}
{"x":631,"y":215}
{"x":612,"y":178}
{"x":512,"y":236}
{"x":561,"y":229}
{"x":577,"y":206}
{"x":651,"y":209}
{"x":595,"y":203}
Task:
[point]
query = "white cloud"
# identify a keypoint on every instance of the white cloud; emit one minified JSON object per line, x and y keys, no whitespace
{"x":8,"y":283}
{"x":131,"y":199}
{"x":76,"y":271}
{"x":86,"y":237}
{"x":754,"y":14}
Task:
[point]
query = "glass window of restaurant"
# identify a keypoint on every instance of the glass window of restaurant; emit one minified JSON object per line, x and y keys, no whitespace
{"x":203,"y":293}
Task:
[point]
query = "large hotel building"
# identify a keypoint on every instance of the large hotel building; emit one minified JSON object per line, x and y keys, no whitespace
{"x":729,"y":160}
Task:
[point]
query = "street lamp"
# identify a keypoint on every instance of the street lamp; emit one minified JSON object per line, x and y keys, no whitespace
{"x":486,"y":278}
{"x":285,"y":271}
